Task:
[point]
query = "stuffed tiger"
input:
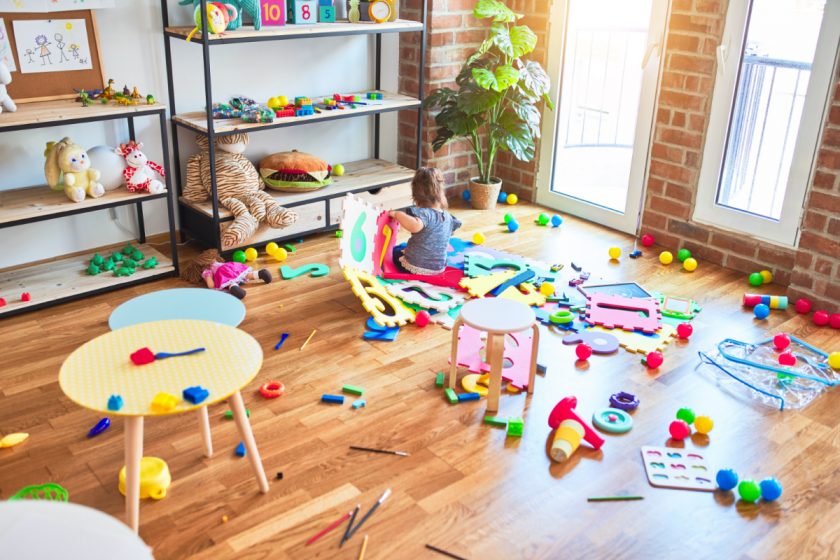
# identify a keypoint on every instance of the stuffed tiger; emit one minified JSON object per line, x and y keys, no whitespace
{"x":239,"y":187}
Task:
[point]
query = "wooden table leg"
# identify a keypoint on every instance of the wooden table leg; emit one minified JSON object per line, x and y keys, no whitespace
{"x":496,"y":355}
{"x":453,"y":367}
{"x":535,"y":349}
{"x":206,"y":437}
{"x":133,"y":454}
{"x":244,"y":427}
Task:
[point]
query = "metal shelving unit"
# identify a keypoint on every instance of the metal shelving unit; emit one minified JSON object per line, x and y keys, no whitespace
{"x":318,"y":210}
{"x":64,"y":278}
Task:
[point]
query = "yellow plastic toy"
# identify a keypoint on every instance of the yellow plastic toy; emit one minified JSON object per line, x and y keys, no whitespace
{"x":690,"y":264}
{"x":703,"y":424}
{"x":615,"y":252}
{"x":10,"y":440}
{"x":478,"y":238}
{"x":251,"y":254}
{"x":512,"y":199}
{"x":271,"y":248}
{"x":164,"y":402}
{"x":566,"y":440}
{"x":280,"y":254}
{"x":547,"y":289}
{"x":766,"y":276}
{"x":666,"y":257}
{"x":834,"y":360}
{"x":154,"y":478}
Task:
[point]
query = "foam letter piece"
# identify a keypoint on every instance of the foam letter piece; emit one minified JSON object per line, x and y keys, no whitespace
{"x":476,"y":264}
{"x":425,"y":295}
{"x":375,"y":297}
{"x":623,"y":313}
{"x":517,"y":354}
{"x":520,"y":278}
{"x":601,"y":342}
{"x":642,"y":343}
{"x":527,"y":295}
{"x":378,"y":332}
{"x":478,"y":287}
{"x":317,"y":270}
{"x":359,"y":223}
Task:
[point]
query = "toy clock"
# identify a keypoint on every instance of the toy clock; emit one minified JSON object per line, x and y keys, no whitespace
{"x":379,"y":11}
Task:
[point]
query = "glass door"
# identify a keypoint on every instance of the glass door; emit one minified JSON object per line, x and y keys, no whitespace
{"x":606,"y":61}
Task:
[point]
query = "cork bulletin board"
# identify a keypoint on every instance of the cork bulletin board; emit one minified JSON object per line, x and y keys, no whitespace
{"x":46,"y":86}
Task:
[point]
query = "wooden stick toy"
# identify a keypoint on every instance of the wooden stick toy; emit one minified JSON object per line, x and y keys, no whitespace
{"x":614,"y":498}
{"x":364,"y":547}
{"x":308,"y":339}
{"x":445,"y":552}
{"x":386,"y":451}
{"x":146,"y":356}
{"x":328,"y":528}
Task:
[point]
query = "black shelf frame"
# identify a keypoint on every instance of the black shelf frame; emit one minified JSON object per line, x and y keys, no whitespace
{"x":160,"y":112}
{"x":207,"y":228}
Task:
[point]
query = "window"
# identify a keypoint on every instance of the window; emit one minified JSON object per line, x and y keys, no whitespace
{"x":775,"y":69}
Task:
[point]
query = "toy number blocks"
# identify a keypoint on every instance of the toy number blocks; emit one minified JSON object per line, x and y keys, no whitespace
{"x":273,"y":12}
{"x":303,"y":12}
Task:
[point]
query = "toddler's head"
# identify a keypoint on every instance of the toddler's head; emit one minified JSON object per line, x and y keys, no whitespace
{"x":427,"y":188}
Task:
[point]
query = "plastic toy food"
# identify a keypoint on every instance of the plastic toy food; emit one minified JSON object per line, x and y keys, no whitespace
{"x":512,"y":199}
{"x":820,"y":318}
{"x":749,"y":491}
{"x":781,"y":341}
{"x":726,"y":479}
{"x":703,"y":424}
{"x":755,"y":279}
{"x":684,"y":330}
{"x":679,"y":430}
{"x":583,"y":351}
{"x":422,"y":318}
{"x":478,"y":238}
{"x":654,"y":359}
{"x":803,"y":305}
{"x":761,"y":311}
{"x":295,"y":172}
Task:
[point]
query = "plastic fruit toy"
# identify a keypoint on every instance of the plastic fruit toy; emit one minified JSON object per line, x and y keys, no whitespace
{"x":508,"y":218}
{"x":690,"y":264}
{"x":466,"y":195}
{"x":338,"y":170}
{"x":787,"y":359}
{"x":513,"y":225}
{"x":654,"y":359}
{"x":683,"y":254}
{"x":271,"y":248}
{"x":684,"y":330}
{"x":761,"y":311}
{"x":679,"y":430}
{"x":502,"y":198}
{"x":583,"y":351}
{"x":781,"y":341}
{"x":542,"y":219}
{"x":834,"y":360}
{"x":834,"y":321}
{"x":726,"y":479}
{"x":749,"y":491}
{"x":239,"y":256}
{"x":665,"y":257}
{"x":614,"y":252}
{"x":422,"y":318}
{"x":251,"y":254}
{"x":556,"y":221}
{"x":771,"y":489}
{"x":766,"y":276}
{"x":280,"y":254}
{"x":686,"y":415}
{"x":820,"y":318}
{"x":648,"y":240}
{"x":547,"y":289}
{"x":703,"y":424}
{"x":803,"y":305}
{"x":755,"y":279}
{"x":478,"y":238}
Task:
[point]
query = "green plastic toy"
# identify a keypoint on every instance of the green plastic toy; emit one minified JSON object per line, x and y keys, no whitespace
{"x":151,"y":262}
{"x":128,"y":250}
{"x":686,"y":415}
{"x":683,"y":254}
{"x":93,"y":270}
{"x":137,"y":256}
{"x":50,"y":491}
{"x":124,"y":271}
{"x":108,"y":264}
{"x":97,"y":259}
{"x":117,"y":257}
{"x":543,"y":219}
{"x":239,"y":256}
{"x":130,"y":263}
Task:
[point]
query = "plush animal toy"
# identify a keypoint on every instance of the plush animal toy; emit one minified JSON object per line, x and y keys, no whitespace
{"x":6,"y":102}
{"x":140,"y":173}
{"x":250,"y":6}
{"x":68,"y":168}
{"x":239,"y":187}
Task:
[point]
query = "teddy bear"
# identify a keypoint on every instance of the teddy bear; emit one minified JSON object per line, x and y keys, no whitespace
{"x":6,"y":103}
{"x":239,"y":188}
{"x":140,"y":173}
{"x":68,"y":168}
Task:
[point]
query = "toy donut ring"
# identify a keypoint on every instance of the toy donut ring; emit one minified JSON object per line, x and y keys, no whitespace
{"x":272,"y":389}
{"x":562,"y":317}
{"x":624,"y":401}
{"x":612,"y":420}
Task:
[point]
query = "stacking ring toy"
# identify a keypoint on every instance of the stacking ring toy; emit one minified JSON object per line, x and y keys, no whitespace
{"x":624,"y":401}
{"x":612,"y":420}
{"x":561,"y":317}
{"x":272,"y":389}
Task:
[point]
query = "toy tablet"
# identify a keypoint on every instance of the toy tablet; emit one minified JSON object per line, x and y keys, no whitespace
{"x":669,"y":467}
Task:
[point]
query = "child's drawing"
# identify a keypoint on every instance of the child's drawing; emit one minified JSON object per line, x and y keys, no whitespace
{"x":6,"y":48}
{"x":52,"y":45}
{"x":53,"y":5}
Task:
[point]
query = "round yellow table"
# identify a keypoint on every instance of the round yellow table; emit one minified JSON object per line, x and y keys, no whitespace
{"x":102,"y":367}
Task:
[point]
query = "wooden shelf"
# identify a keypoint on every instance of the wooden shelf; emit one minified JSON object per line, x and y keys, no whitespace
{"x":65,"y":279}
{"x":197,"y":120}
{"x":67,"y":111}
{"x":33,"y":204}
{"x":248,"y":34}
{"x":358,"y":176}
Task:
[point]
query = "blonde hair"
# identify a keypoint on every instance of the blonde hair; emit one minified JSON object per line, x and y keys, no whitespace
{"x":428,"y":188}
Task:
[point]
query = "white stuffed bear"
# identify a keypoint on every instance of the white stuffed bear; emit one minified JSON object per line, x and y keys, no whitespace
{"x":140,"y":173}
{"x":6,"y":102}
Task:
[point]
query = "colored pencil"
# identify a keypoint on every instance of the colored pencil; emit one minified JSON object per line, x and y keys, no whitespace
{"x":381,"y":499}
{"x":364,"y":547}
{"x":308,"y":339}
{"x":614,"y":498}
{"x":328,"y":528}
{"x":386,"y":451}
{"x":349,"y":526}
{"x":444,"y":552}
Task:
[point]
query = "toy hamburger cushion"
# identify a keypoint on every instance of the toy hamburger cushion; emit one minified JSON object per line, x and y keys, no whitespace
{"x":294,"y":172}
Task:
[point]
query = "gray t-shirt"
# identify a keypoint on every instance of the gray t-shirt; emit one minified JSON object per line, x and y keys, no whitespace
{"x":426,"y":249}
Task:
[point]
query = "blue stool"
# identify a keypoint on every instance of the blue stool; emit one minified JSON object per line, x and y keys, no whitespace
{"x":179,"y":303}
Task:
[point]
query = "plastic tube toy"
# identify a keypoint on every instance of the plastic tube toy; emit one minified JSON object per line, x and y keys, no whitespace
{"x":567,"y":438}
{"x":773,"y":302}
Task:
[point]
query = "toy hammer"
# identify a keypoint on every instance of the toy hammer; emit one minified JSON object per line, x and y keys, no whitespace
{"x":565,"y":410}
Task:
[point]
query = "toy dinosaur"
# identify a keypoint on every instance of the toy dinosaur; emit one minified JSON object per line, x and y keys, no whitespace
{"x":250,"y":6}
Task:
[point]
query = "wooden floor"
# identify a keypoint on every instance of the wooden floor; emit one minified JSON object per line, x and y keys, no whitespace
{"x":465,"y":487}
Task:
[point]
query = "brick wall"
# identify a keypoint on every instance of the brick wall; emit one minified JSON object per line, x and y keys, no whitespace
{"x":453,"y":34}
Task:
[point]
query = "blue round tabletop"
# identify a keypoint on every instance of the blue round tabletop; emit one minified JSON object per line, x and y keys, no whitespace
{"x":179,"y":303}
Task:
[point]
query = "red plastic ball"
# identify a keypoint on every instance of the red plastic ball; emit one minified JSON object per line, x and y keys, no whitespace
{"x":781,"y":341}
{"x":422,"y":318}
{"x":787,"y":359}
{"x":834,"y":320}
{"x":679,"y":429}
{"x":803,"y":305}
{"x":583,"y":351}
{"x":647,"y":240}
{"x":820,"y":318}
{"x":654,"y":359}
{"x":684,"y":330}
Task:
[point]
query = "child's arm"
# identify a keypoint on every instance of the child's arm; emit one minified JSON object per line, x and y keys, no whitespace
{"x":207,"y":274}
{"x":456,"y":223}
{"x":409,"y":223}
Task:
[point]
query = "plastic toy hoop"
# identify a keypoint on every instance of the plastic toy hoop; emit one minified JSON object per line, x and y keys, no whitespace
{"x":612,"y":420}
{"x":624,"y":401}
{"x":562,"y":317}
{"x":272,"y":389}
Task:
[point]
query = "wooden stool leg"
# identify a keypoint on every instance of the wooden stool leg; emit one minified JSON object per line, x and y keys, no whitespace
{"x":133,"y":454}
{"x":204,"y":425}
{"x":244,"y":427}
{"x":535,"y":348}
{"x":496,"y":355}
{"x":453,"y":354}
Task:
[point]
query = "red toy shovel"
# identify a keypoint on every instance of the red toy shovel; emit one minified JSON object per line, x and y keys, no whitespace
{"x":146,"y":356}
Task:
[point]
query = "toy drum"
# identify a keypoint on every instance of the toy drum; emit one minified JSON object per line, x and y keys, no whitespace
{"x":773,"y":302}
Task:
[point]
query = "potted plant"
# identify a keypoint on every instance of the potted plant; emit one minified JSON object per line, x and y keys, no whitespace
{"x":495,"y":104}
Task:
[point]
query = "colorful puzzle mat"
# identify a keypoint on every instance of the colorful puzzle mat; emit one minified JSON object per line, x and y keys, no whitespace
{"x":517,"y":362}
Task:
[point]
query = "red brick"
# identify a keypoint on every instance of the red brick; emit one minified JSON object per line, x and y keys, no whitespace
{"x":663,"y":116}
{"x":692,"y":159}
{"x":446,"y":22}
{"x":698,"y":84}
{"x":666,"y":153}
{"x":470,"y":36}
{"x":441,"y":38}
{"x":824,"y":201}
{"x":669,"y":207}
{"x":688,"y":230}
{"x":460,"y":5}
{"x":824,"y":267}
{"x":801,"y":279}
{"x":697,"y":123}
{"x":736,"y":244}
{"x":694,"y":24}
{"x":803,"y":259}
{"x":741,"y":264}
{"x":680,"y":138}
{"x":656,"y":186}
{"x":834,"y":115}
{"x":444,"y":71}
{"x":819,"y":244}
{"x":781,"y":277}
{"x":678,"y":119}
{"x":704,"y":253}
{"x":823,"y":180}
{"x":691,"y":63}
{"x":834,"y":227}
{"x":828,"y":159}
{"x":678,"y":192}
{"x":708,"y":6}
{"x":814,"y":221}
{"x":653,"y":220}
{"x":681,"y":100}
{"x":680,"y":42}
{"x":777,"y":256}
{"x":672,"y":80}
{"x":831,"y":137}
{"x":671,"y":172}
{"x":682,"y":6}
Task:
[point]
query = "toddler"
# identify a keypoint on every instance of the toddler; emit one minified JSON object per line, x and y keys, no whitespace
{"x":428,"y":222}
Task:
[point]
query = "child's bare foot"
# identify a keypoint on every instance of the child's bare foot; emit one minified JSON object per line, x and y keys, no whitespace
{"x":264,"y":275}
{"x":237,"y":291}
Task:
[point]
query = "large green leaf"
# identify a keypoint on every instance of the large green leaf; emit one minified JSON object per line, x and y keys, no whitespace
{"x":535,"y":81}
{"x":474,"y":100}
{"x":529,"y":115}
{"x":500,"y":36}
{"x":439,"y":98}
{"x":494,"y":9}
{"x":444,"y":135}
{"x":482,"y":49}
{"x":500,"y":79}
{"x":522,"y":40}
{"x":456,"y":120}
{"x":513,"y":134}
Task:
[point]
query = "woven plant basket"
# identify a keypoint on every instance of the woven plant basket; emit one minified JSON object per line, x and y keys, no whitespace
{"x":484,"y":197}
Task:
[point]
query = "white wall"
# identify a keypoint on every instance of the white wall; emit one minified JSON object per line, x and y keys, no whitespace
{"x":132,"y":49}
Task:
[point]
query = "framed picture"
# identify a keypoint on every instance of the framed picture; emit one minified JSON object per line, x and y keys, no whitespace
{"x":55,"y":54}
